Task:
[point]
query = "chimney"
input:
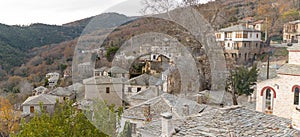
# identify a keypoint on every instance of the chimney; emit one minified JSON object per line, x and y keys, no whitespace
{"x":185,"y":110}
{"x":166,"y":124}
{"x":147,"y":113}
{"x":156,"y":90}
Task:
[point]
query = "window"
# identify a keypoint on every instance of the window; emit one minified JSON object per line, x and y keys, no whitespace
{"x":107,"y":89}
{"x":218,"y":36}
{"x":296,"y":96}
{"x":154,"y":57}
{"x":139,"y":89}
{"x":256,"y":45}
{"x":245,"y":45}
{"x":268,"y":94}
{"x":245,"y":35}
{"x":129,"y":89}
{"x":228,"y":35}
{"x":31,"y":109}
{"x":238,"y":35}
{"x":256,"y":35}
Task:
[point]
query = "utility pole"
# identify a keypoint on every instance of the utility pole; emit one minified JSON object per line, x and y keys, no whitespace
{"x":268,"y":65}
{"x":266,"y":30}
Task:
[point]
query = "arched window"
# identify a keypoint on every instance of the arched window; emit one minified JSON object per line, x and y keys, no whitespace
{"x":296,"y":96}
{"x":268,"y":95}
{"x":268,"y":98}
{"x":296,"y":90}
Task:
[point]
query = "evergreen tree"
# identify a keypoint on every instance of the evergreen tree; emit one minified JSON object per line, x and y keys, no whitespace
{"x":241,"y":81}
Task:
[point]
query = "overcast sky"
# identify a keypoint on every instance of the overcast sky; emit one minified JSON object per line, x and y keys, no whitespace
{"x":25,"y":12}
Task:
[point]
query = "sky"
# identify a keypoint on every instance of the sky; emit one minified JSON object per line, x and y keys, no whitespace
{"x":26,"y":12}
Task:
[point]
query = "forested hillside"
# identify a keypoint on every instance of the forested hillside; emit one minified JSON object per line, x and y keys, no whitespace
{"x":17,"y":42}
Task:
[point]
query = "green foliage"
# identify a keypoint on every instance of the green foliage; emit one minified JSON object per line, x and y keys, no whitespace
{"x":65,"y":122}
{"x":291,"y":15}
{"x":126,"y":131}
{"x":111,"y":51}
{"x":241,"y":81}
{"x":105,"y":117}
{"x":63,"y":67}
{"x":15,"y":41}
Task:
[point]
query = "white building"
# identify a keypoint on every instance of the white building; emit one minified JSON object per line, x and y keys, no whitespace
{"x":32,"y":104}
{"x":52,"y":79}
{"x":280,"y":95}
{"x":239,"y":42}
{"x":290,"y":32}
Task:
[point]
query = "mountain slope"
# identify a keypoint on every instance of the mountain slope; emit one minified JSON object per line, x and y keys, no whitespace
{"x":16,"y":41}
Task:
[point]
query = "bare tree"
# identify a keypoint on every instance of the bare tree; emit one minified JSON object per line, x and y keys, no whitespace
{"x":158,"y":6}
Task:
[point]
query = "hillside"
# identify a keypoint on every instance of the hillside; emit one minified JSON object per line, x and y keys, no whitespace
{"x":50,"y":57}
{"x":16,"y":42}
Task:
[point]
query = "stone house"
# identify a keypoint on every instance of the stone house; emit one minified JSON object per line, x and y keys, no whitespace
{"x":103,"y":71}
{"x":32,"y":104}
{"x":280,"y":95}
{"x":140,"y":83}
{"x":157,"y":65}
{"x":105,"y":88}
{"x":240,"y":43}
{"x":115,"y":71}
{"x":52,"y":75}
{"x":68,"y":72}
{"x":118,"y":72}
{"x":258,"y":25}
{"x":290,"y":32}
{"x":52,"y":79}
{"x":149,"y":111}
{"x":63,"y":93}
{"x":40,"y":90}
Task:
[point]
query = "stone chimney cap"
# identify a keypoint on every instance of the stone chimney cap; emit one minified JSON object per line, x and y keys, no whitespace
{"x":166,"y":115}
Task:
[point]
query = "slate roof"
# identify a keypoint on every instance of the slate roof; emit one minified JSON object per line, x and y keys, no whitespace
{"x":41,"y":88}
{"x":291,"y":69}
{"x":46,"y":99}
{"x":102,"y":69}
{"x":75,"y":86}
{"x":103,"y":80}
{"x":143,"y":80}
{"x":146,"y":94}
{"x":118,"y":70}
{"x":164,"y":103}
{"x":236,"y":120}
{"x":61,"y":92}
{"x":294,"y":22}
{"x":295,"y":46}
{"x":237,"y":28}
